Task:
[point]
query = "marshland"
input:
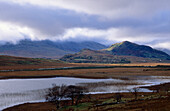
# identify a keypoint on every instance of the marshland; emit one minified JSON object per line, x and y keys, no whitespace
{"x":24,"y":88}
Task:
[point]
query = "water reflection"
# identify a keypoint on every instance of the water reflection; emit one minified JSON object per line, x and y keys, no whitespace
{"x":17,"y":91}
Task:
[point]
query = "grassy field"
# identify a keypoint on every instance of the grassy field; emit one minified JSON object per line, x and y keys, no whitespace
{"x":91,"y":73}
{"x":105,"y":102}
{"x":147,"y":101}
{"x":20,"y":63}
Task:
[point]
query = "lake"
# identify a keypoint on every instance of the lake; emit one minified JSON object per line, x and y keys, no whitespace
{"x":18,"y":91}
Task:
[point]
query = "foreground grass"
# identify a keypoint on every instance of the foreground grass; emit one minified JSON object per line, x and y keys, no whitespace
{"x":100,"y":102}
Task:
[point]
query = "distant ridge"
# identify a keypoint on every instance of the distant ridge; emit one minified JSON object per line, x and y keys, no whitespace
{"x":165,"y":50}
{"x":127,"y":48}
{"x":46,"y":48}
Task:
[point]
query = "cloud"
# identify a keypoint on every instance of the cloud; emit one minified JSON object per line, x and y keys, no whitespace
{"x":108,"y":8}
{"x":13,"y":33}
{"x":105,"y":21}
{"x":111,"y":35}
{"x":46,"y":21}
{"x":43,"y":21}
{"x":162,"y":45}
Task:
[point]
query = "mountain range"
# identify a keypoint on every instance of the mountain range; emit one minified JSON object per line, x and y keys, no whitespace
{"x":86,"y":52}
{"x":46,"y":48}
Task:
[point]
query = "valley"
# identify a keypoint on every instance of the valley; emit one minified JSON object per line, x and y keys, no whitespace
{"x":84,"y":55}
{"x":97,"y":74}
{"x":101,"y":72}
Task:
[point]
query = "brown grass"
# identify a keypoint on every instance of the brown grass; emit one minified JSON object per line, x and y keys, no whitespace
{"x":91,"y":73}
{"x":154,"y":104}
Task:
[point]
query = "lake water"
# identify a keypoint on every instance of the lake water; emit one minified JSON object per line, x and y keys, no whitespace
{"x":18,"y":91}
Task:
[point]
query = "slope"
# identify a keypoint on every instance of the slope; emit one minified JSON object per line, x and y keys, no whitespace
{"x":91,"y":56}
{"x":131,"y":49}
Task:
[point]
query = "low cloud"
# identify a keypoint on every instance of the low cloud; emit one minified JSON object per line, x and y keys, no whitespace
{"x":104,"y":21}
{"x":14,"y":33}
{"x":162,"y":45}
{"x":112,"y":35}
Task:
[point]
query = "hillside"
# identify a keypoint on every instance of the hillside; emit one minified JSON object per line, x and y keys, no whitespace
{"x":15,"y":61}
{"x":131,"y":49}
{"x":91,"y":56}
{"x":124,"y":52}
{"x":46,"y":48}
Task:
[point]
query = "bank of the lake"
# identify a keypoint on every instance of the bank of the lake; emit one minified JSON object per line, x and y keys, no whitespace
{"x":104,"y":102}
{"x":18,"y":91}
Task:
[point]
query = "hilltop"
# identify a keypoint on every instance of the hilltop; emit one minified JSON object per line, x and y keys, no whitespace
{"x":127,"y":48}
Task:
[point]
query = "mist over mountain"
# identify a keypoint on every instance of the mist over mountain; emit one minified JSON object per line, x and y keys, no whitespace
{"x":46,"y":48}
{"x":165,"y":50}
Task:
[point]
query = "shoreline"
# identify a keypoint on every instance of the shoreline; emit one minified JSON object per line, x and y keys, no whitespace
{"x":146,"y":87}
{"x":89,"y":72}
{"x":100,"y":94}
{"x":42,"y":77}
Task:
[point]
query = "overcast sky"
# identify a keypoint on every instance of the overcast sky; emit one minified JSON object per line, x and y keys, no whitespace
{"x":105,"y":21}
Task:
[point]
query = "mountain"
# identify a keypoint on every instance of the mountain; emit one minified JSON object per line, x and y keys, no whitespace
{"x":166,"y":50}
{"x":93,"y":52}
{"x":91,"y":56}
{"x":124,"y":52}
{"x":127,"y":48}
{"x":46,"y":48}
